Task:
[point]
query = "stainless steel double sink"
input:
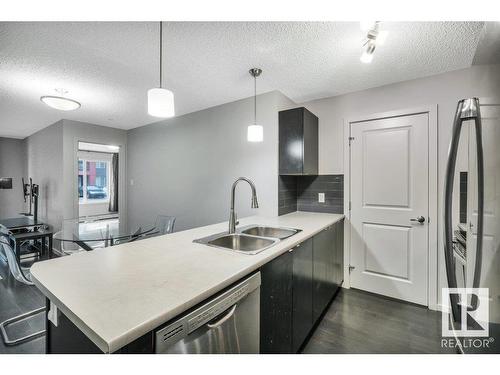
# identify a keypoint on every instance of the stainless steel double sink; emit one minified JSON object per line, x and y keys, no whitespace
{"x":250,"y":239}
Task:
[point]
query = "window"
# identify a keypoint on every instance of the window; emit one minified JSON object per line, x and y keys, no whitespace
{"x":93,"y":181}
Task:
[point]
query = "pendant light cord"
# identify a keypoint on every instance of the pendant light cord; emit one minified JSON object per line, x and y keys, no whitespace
{"x":161,"y":39}
{"x":255,"y":100}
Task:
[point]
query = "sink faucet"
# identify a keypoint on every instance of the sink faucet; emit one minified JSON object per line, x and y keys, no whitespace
{"x":232,"y":214}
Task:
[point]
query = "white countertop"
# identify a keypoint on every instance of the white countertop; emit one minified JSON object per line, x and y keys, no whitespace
{"x":117,"y":294}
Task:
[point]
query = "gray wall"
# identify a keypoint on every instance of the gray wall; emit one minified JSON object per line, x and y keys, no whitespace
{"x":185,"y":166}
{"x":76,"y":131}
{"x":443,"y":90}
{"x":51,"y":160}
{"x":12,"y":164}
{"x":44,"y":152}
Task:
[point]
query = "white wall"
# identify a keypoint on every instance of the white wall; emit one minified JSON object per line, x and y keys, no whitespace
{"x":444,"y":90}
{"x":185,"y":166}
{"x":12,"y":164}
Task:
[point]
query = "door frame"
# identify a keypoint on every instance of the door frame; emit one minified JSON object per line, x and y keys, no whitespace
{"x":433,"y":262}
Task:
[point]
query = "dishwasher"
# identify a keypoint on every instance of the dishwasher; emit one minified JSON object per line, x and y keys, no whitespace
{"x":227,"y":323}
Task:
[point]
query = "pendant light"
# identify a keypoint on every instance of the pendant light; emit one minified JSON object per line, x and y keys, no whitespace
{"x":255,"y":133}
{"x":60,"y":102}
{"x":160,"y":100}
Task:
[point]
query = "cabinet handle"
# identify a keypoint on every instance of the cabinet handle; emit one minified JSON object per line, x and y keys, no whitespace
{"x":291,"y":250}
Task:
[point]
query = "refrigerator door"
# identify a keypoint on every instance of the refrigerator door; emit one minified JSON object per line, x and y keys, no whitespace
{"x":467,"y":110}
{"x":482,"y":261}
{"x":490,"y":260}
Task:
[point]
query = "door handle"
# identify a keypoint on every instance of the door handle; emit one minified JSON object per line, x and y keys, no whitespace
{"x":420,"y":219}
{"x":224,"y":319}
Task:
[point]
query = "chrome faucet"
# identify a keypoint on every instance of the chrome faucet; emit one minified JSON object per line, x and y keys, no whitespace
{"x":232,"y":215}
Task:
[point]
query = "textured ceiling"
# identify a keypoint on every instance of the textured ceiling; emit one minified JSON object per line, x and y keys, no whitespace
{"x":109,"y":67}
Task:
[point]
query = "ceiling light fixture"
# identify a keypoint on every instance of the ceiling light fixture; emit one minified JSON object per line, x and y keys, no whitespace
{"x":60,"y":102}
{"x":374,"y":37}
{"x":255,"y":133}
{"x":160,"y":100}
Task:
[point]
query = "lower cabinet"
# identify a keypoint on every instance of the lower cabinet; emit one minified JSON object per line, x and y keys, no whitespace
{"x":286,"y":300}
{"x":323,"y":270}
{"x":302,"y":298}
{"x":297,"y":287}
{"x":328,"y":266}
{"x":276,"y":305}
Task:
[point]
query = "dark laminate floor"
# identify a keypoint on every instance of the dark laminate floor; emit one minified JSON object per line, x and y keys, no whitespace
{"x":361,"y":322}
{"x":15,"y":299}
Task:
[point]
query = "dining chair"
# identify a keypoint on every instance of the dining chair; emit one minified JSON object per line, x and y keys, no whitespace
{"x":22,"y":275}
{"x":165,"y":224}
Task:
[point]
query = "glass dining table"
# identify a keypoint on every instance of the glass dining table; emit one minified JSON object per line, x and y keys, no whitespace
{"x":90,"y":234}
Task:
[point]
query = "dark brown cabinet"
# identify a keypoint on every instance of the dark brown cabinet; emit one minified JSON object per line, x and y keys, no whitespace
{"x":302,"y":302}
{"x":298,"y":142}
{"x":286,"y":300}
{"x":297,"y":287}
{"x":327,"y":266}
{"x":276,"y":305}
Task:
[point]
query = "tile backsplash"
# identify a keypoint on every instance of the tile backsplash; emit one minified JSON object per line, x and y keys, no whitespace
{"x":300,"y":193}
{"x":287,"y":194}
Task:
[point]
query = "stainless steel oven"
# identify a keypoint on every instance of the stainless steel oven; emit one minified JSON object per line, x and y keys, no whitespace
{"x":226,"y":323}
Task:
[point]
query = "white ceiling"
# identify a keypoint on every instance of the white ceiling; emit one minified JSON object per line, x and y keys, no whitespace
{"x":109,"y":66}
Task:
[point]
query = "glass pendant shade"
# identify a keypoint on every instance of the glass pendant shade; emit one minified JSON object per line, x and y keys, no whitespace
{"x":161,"y":103}
{"x":255,"y":133}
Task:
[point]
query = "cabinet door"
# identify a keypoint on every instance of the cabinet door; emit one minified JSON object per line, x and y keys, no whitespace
{"x":276,"y":305}
{"x":310,"y":143}
{"x":324,"y":275}
{"x":339,"y":252}
{"x":291,"y":140}
{"x":302,"y":316}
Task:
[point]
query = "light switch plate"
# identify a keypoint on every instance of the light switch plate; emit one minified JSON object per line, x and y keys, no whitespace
{"x":321,"y":197}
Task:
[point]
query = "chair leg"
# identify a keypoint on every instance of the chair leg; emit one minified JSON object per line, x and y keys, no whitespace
{"x":11,"y":342}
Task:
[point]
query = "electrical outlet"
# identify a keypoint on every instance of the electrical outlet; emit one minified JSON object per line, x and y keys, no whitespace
{"x":321,"y":197}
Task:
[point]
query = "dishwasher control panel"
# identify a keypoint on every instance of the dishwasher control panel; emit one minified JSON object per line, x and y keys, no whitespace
{"x":212,"y":312}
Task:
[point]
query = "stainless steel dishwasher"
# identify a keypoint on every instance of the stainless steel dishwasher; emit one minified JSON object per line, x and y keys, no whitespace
{"x":226,"y":323}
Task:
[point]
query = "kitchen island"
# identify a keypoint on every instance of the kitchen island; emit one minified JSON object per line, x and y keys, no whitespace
{"x":117,"y":295}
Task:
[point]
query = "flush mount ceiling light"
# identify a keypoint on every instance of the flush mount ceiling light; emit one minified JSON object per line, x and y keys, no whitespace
{"x":160,"y":100}
{"x":60,"y":102}
{"x":374,"y":37}
{"x":255,"y":133}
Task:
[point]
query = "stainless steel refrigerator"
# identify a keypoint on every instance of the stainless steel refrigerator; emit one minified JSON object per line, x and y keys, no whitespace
{"x":472,"y":225}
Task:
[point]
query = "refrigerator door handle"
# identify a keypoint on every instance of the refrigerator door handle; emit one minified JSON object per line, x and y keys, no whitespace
{"x":480,"y":203}
{"x":448,"y":199}
{"x":467,"y":109}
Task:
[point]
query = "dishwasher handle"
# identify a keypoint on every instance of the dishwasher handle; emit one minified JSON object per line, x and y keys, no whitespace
{"x":224,"y":319}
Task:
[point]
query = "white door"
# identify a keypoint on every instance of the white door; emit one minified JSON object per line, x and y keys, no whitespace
{"x":389,"y":189}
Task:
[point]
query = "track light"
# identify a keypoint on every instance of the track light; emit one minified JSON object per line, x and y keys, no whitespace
{"x":367,"y":55}
{"x":374,"y":37}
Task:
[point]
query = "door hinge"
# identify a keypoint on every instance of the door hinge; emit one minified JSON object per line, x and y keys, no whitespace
{"x":350,"y":140}
{"x":351,"y":268}
{"x":350,"y":205}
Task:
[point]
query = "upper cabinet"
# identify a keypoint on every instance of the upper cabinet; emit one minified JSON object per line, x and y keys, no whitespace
{"x":298,"y":142}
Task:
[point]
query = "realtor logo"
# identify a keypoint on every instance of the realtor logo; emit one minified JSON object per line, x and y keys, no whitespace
{"x":473,"y":321}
